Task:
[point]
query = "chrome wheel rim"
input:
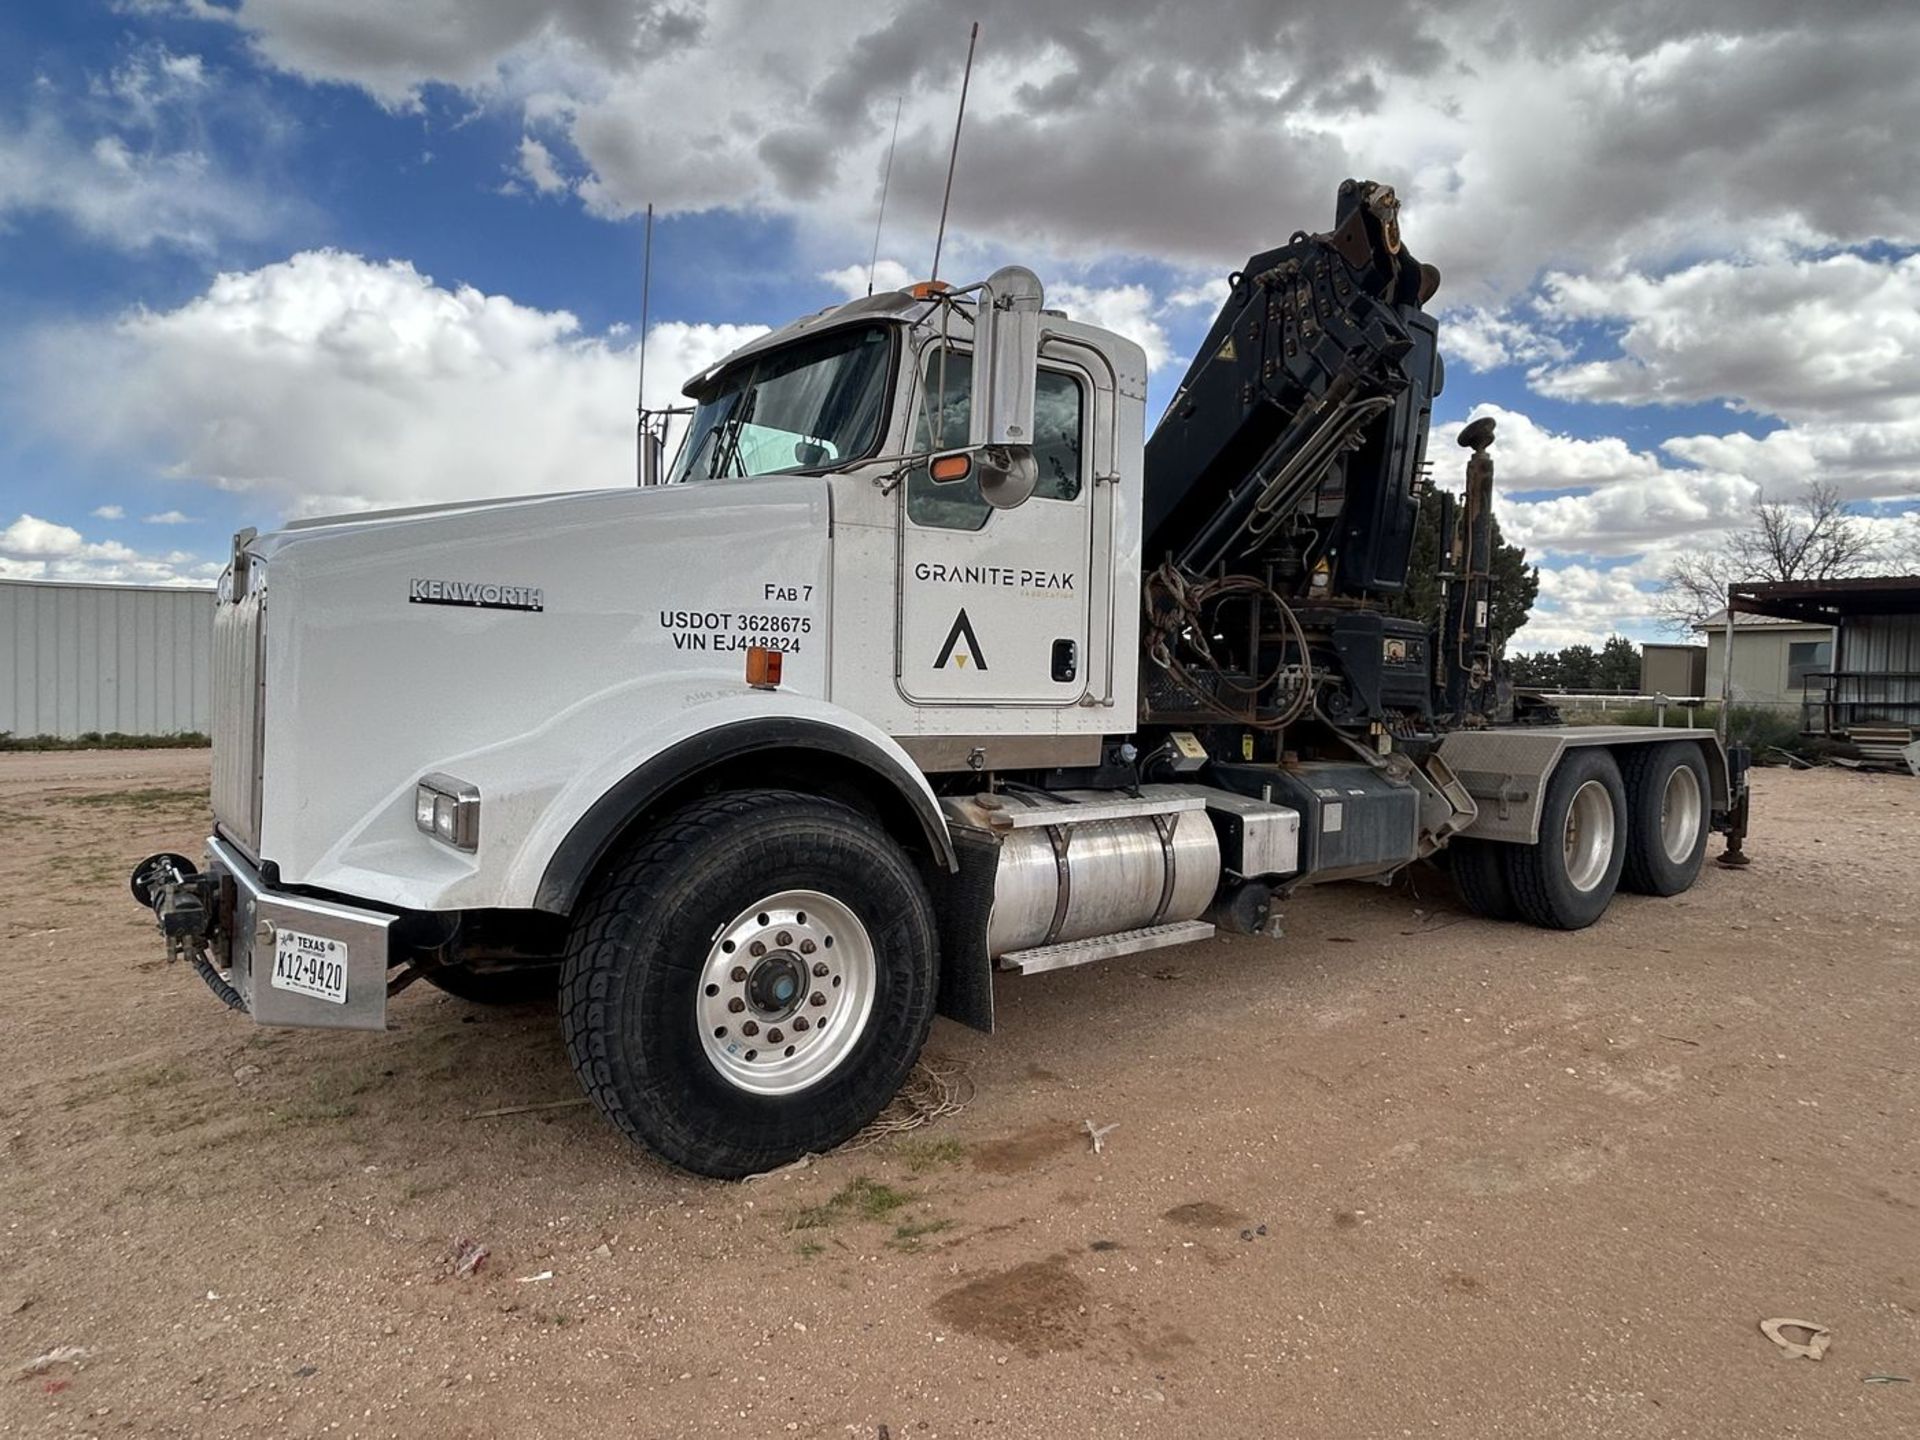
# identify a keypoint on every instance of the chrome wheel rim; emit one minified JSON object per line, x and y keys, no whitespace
{"x":1680,"y":814}
{"x":786,"y":992}
{"x":1589,"y":837}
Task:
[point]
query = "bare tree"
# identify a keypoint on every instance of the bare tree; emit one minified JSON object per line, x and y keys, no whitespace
{"x":1810,"y":537}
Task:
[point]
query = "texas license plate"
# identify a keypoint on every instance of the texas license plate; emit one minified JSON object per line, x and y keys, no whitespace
{"x":310,"y":965}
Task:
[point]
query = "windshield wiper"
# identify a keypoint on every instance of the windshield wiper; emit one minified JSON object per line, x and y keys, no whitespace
{"x":729,"y":451}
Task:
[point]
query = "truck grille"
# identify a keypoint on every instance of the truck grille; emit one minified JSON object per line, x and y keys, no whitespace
{"x":239,"y":707}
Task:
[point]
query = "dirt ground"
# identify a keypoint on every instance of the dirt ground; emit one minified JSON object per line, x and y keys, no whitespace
{"x":1402,"y":1173}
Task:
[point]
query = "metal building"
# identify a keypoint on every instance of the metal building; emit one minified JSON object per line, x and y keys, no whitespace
{"x":75,"y":659}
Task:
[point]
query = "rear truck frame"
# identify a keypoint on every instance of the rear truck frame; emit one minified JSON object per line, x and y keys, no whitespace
{"x":920,"y":667}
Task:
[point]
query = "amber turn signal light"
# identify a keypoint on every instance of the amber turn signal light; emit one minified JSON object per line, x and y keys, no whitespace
{"x":763,"y":667}
{"x":946,"y":469}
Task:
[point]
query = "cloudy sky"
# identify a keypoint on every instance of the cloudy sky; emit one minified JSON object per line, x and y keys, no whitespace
{"x":264,"y":258}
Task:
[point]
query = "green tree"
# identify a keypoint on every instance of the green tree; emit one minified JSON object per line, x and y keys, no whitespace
{"x":1619,"y":667}
{"x":1535,"y":669}
{"x":1580,"y":667}
{"x":1516,"y":584}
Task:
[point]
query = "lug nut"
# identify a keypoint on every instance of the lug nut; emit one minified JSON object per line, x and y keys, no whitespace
{"x":774,"y":1037}
{"x":750,"y":1028}
{"x":802,"y":1025}
{"x":819,"y":969}
{"x":807,"y":947}
{"x":817,"y":998}
{"x":738,"y":974}
{"x":757,"y":949}
{"x":785,"y":937}
{"x":736,"y":1005}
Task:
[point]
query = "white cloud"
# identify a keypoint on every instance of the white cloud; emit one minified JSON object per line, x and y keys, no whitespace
{"x":1800,"y":337}
{"x":1527,"y":456}
{"x":1209,"y":294}
{"x":536,"y":166}
{"x":168,"y":517}
{"x":33,"y":537}
{"x":109,"y":512}
{"x":127,"y":163}
{"x":1519,"y":137}
{"x":1484,"y":340}
{"x":852,"y":281}
{"x":1583,"y":604}
{"x":331,"y":382}
{"x":1127,"y":310}
{"x":36,"y":549}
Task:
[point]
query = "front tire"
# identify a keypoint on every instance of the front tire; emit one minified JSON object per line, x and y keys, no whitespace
{"x":1667,"y":817}
{"x":1565,"y":879}
{"x":750,"y":982}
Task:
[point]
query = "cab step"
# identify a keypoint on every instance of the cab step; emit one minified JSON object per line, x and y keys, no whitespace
{"x":1104,"y":947}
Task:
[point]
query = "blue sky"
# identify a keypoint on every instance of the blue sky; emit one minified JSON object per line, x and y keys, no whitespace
{"x":262,"y":258}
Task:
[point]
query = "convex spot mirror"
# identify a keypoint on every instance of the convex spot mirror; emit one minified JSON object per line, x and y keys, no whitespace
{"x":1007,"y":475}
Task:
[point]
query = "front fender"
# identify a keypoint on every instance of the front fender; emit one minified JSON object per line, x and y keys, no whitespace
{"x":628,"y":789}
{"x":554,"y":799}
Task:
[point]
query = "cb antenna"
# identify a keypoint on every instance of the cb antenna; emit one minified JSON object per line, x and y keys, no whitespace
{"x":886,"y":177}
{"x":640,"y":433}
{"x":966,"y":77}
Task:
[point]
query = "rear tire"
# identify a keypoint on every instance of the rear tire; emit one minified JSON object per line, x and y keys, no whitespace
{"x":1565,"y":879}
{"x":1668,"y":808}
{"x":1480,"y":877}
{"x":522,"y":985}
{"x":750,"y":982}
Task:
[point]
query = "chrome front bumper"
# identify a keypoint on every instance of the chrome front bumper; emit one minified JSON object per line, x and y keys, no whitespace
{"x":244,"y":940}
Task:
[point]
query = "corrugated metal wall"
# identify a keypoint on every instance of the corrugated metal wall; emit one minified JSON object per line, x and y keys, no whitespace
{"x":80,"y":658}
{"x":1887,"y":649}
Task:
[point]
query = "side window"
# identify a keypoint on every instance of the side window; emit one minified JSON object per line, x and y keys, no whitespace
{"x":1059,"y":422}
{"x":941,"y":416}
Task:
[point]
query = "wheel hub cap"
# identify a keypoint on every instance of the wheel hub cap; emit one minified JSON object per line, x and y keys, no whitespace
{"x":786,"y":992}
{"x":777,"y":985}
{"x":1680,"y":814}
{"x":1589,"y":837}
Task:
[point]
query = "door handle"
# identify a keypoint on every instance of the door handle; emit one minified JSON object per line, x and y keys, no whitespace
{"x":1066,"y":659}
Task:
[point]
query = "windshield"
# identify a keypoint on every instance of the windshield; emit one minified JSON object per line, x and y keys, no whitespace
{"x":809,"y":406}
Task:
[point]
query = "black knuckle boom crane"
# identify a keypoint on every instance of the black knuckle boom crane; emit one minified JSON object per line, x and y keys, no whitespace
{"x":1284,"y":486}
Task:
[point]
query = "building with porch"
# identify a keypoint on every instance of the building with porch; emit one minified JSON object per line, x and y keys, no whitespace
{"x":1869,"y":692}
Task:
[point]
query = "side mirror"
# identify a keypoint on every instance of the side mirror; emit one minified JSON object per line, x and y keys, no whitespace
{"x":1006,"y":353}
{"x":1006,"y":474}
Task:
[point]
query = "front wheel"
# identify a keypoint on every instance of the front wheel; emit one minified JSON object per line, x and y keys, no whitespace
{"x":1566,"y":878}
{"x":750,"y":982}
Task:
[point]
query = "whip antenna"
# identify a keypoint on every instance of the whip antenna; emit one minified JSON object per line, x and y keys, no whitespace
{"x":646,"y":446}
{"x":953,"y":157}
{"x":886,"y":177}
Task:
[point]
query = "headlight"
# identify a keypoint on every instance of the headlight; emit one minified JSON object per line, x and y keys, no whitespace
{"x":449,"y":810}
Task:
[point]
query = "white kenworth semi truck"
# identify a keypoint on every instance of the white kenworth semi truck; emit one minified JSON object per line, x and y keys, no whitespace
{"x":920,"y":665}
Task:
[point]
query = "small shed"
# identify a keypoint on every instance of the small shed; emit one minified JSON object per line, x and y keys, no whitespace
{"x":1677,"y":671}
{"x":1870,"y":693}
